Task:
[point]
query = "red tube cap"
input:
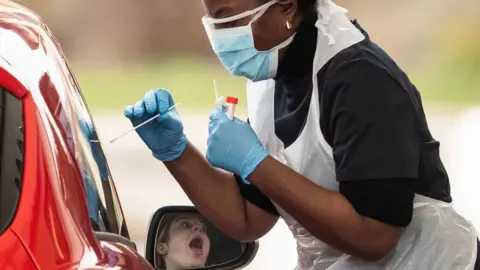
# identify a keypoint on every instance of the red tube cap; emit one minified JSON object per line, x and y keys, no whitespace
{"x":232,"y":100}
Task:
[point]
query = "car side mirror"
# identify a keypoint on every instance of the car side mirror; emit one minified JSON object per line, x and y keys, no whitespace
{"x":179,"y":238}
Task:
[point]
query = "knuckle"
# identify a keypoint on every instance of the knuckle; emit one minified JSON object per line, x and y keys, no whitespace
{"x":162,"y":94}
{"x":163,"y":90}
{"x":148,"y":94}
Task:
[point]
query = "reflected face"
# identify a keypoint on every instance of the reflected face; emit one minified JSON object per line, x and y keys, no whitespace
{"x":188,"y":245}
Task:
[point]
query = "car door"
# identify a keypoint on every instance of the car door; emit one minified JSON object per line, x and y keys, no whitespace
{"x":13,"y":254}
{"x":43,"y":212}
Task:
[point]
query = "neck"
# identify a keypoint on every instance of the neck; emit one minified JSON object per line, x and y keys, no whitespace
{"x":297,"y":19}
{"x":296,"y":59}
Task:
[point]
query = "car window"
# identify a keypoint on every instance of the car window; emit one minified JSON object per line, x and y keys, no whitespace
{"x":102,"y":200}
{"x":72,"y":116}
{"x":11,"y":156}
{"x":59,"y":91}
{"x":98,"y":181}
{"x":89,"y":152}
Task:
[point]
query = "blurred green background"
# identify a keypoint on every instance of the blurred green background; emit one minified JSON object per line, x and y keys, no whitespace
{"x":190,"y":79}
{"x":119,"y":49}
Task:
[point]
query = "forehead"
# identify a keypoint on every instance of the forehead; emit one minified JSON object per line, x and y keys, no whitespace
{"x":226,"y":8}
{"x":190,"y":218}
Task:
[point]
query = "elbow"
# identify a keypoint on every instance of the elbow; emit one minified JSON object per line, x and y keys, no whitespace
{"x":378,"y":250}
{"x":238,"y":235}
{"x":251,"y":233}
{"x":241,"y":234}
{"x":377,"y":240}
{"x":246,"y":236}
{"x":375,"y":256}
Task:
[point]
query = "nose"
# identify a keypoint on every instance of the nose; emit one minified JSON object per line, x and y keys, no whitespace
{"x":197,"y":228}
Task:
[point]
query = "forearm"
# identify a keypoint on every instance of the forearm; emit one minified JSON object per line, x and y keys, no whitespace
{"x":327,"y":215}
{"x":216,"y":195}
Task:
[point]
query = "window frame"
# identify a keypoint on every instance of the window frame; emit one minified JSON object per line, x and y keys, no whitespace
{"x":12,"y":208}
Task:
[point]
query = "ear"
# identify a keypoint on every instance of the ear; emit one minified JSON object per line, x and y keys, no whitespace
{"x":289,"y":8}
{"x":162,"y":249}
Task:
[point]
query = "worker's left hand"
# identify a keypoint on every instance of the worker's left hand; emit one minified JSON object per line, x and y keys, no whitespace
{"x":233,"y":146}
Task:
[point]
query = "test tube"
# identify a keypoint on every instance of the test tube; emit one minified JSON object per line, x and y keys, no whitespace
{"x":231,"y":103}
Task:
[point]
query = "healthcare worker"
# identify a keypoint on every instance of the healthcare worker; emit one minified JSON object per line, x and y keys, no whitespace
{"x":337,"y":144}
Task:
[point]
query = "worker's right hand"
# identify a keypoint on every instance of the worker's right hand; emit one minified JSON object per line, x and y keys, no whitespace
{"x":164,"y":136}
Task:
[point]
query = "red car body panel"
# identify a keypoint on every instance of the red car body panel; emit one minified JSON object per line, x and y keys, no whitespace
{"x":18,"y":256}
{"x":51,"y":228}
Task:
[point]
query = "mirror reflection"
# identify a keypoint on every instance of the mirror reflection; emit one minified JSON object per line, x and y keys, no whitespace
{"x":189,"y":241}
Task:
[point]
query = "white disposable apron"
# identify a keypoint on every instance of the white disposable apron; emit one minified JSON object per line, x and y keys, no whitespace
{"x":437,"y":237}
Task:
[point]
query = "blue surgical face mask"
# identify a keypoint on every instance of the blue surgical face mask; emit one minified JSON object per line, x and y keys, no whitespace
{"x":235,"y":47}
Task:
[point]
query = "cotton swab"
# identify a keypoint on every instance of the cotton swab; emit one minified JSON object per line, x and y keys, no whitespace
{"x":144,"y":123}
{"x":215,"y":89}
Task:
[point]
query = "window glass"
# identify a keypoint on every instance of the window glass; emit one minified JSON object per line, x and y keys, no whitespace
{"x":71,"y":112}
{"x":94,"y":161}
{"x":11,"y":151}
{"x":71,"y":115}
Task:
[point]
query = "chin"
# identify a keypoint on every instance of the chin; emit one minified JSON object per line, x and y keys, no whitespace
{"x":193,"y":265}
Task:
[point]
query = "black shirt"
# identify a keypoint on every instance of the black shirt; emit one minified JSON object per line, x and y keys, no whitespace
{"x":372,"y":116}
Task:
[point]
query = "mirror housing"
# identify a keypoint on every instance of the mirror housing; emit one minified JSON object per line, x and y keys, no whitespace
{"x":243,"y":256}
{"x":115,"y":238}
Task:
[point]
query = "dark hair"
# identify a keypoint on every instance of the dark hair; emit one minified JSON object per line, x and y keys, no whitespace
{"x":307,"y":5}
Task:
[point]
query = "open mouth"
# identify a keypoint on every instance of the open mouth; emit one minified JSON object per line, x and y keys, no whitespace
{"x":196,"y":243}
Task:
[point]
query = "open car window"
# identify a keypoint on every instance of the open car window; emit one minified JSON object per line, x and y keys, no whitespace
{"x":64,"y":99}
{"x":103,"y":204}
{"x":56,"y":92}
{"x":11,"y":156}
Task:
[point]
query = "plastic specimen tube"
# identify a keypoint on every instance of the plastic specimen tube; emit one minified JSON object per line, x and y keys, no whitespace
{"x":231,"y":103}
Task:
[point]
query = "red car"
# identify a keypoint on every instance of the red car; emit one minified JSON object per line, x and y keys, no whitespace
{"x":59,"y":208}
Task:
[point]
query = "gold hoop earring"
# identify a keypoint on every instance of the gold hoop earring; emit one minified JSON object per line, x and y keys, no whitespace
{"x":288,"y":24}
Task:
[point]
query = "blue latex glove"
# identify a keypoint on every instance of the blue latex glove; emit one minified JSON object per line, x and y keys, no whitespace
{"x":89,"y":132}
{"x":233,"y":146}
{"x":163,"y":136}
